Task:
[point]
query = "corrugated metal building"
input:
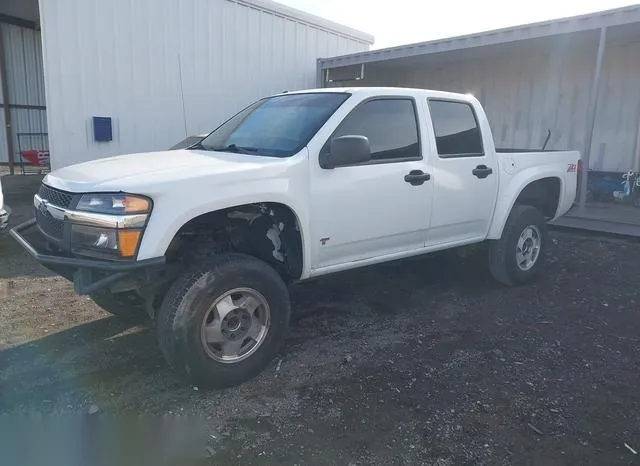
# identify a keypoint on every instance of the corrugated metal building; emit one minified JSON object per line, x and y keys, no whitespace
{"x":160,"y":69}
{"x":577,"y":77}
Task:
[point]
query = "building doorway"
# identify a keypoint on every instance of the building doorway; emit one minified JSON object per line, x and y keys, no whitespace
{"x":24,"y":145}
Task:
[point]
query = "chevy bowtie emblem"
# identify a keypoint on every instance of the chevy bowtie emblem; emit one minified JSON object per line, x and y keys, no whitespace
{"x":43,"y":207}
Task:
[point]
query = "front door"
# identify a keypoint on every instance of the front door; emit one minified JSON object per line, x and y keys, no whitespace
{"x":368,"y":211}
{"x":465,"y":176}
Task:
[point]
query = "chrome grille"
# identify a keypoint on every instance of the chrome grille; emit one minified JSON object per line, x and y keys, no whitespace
{"x":55,"y":196}
{"x":49,"y":225}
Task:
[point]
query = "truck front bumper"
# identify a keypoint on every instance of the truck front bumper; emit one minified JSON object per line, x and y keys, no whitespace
{"x":5,"y":213}
{"x":88,"y":275}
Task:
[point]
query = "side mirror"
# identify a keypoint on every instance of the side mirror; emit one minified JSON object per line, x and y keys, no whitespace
{"x":347,"y":150}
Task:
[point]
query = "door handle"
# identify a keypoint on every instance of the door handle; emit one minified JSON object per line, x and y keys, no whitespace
{"x":482,"y":171}
{"x":417,"y":177}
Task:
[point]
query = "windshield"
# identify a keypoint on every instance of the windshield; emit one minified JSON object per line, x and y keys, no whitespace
{"x":277,"y":126}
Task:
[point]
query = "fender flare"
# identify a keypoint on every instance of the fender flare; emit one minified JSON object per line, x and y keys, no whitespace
{"x":505,"y":203}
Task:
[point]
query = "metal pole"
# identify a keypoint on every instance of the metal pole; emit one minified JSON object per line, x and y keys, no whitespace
{"x":6,"y":102}
{"x":636,"y":163}
{"x":319,"y":74}
{"x":591,"y":117}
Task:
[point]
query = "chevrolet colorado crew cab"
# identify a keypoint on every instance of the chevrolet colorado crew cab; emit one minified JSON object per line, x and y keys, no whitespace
{"x":204,"y":240}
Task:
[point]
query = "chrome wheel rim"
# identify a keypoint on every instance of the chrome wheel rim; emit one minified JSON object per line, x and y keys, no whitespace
{"x":236,"y":325}
{"x":528,"y":248}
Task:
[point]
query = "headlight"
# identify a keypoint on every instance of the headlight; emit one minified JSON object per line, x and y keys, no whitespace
{"x":105,"y":241}
{"x":114,"y":204}
{"x":105,"y":235}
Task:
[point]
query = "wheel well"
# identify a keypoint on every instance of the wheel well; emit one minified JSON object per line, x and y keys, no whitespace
{"x":269,"y":231}
{"x":544,"y":194}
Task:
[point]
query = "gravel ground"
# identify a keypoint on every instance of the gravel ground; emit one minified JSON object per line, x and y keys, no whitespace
{"x":427,"y":361}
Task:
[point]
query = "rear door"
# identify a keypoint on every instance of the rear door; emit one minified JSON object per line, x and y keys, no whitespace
{"x":465,"y":174}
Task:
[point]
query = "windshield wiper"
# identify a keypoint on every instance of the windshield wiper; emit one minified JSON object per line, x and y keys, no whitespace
{"x":197,"y":146}
{"x":238,"y":149}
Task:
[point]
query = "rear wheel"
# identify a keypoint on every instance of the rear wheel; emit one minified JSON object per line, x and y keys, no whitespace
{"x":128,"y":305}
{"x":222,"y":322}
{"x":516,"y":258}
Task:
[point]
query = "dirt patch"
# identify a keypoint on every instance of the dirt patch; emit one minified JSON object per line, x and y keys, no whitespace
{"x":31,"y":298}
{"x":422,"y":362}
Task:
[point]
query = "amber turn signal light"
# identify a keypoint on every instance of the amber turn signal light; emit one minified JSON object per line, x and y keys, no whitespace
{"x":135,"y":204}
{"x":128,"y":242}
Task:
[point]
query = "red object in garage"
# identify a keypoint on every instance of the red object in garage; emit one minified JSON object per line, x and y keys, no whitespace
{"x":36,"y":158}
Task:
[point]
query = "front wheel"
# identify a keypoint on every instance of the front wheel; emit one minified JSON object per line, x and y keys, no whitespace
{"x":223,"y":321}
{"x":516,"y":258}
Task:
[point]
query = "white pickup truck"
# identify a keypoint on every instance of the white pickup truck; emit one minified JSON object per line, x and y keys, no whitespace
{"x":204,"y":240}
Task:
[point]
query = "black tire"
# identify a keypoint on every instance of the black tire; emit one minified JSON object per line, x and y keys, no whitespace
{"x":502,"y":253}
{"x":187,"y":303}
{"x":128,"y":306}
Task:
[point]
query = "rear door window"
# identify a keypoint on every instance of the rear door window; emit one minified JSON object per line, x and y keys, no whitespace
{"x":456,"y":129}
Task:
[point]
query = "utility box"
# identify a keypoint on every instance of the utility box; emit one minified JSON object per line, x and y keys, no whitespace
{"x":102,"y":129}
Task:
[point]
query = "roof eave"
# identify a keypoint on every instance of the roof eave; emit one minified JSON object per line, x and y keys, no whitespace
{"x":313,"y":20}
{"x":592,"y":21}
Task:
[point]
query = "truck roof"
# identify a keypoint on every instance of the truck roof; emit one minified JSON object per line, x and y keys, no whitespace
{"x":375,"y":91}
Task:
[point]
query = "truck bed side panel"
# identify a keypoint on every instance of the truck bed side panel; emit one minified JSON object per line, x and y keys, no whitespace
{"x":519,"y":169}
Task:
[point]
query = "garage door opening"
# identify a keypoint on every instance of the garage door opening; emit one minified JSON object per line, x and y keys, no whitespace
{"x":24,"y":145}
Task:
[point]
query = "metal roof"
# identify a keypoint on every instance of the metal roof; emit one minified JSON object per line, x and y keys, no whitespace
{"x":302,"y":17}
{"x":592,"y":21}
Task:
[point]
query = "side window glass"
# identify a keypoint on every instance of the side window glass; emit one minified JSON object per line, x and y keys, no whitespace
{"x":456,"y":129}
{"x":389,"y":124}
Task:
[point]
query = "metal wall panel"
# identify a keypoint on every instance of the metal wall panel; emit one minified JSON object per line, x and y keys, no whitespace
{"x":163,"y":69}
{"x":528,"y":89}
{"x":618,"y":117}
{"x":25,"y":79}
{"x":1,"y":95}
{"x":4,"y":158}
{"x":24,"y":72}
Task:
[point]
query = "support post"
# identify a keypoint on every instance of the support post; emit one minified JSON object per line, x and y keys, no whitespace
{"x":6,"y":102}
{"x":591,"y":116}
{"x":319,"y":74}
{"x":636,"y":152}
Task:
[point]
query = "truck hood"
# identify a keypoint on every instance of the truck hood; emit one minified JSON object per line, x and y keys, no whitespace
{"x":126,"y":172}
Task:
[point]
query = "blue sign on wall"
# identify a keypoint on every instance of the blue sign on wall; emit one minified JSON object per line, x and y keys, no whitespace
{"x":102,"y":129}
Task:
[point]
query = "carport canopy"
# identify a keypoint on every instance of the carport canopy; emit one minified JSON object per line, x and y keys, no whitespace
{"x":591,"y":34}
